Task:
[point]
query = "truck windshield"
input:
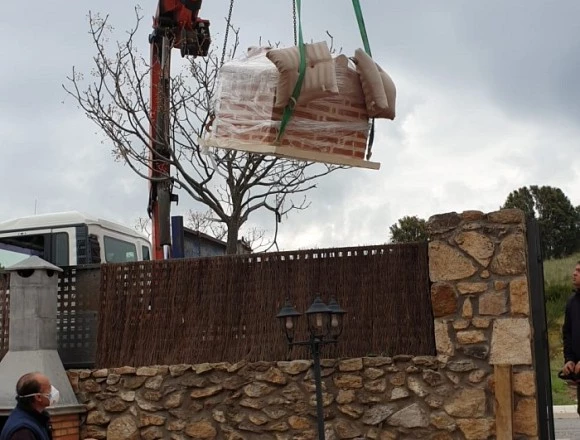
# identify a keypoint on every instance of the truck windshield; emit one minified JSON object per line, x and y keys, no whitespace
{"x":50,"y":247}
{"x":11,"y":254}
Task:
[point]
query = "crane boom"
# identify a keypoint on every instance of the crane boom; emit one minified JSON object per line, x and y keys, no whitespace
{"x":175,"y":25}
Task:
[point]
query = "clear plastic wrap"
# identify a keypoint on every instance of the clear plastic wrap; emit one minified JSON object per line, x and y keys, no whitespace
{"x":333,"y":129}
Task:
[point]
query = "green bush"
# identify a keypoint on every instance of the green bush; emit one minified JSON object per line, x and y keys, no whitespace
{"x":556,"y":296}
{"x":557,"y":293}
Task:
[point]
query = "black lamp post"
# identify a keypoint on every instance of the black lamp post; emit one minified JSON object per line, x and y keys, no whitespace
{"x":324,"y":326}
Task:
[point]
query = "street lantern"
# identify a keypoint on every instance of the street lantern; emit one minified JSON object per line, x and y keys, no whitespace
{"x":325,"y":326}
{"x":336,"y":318}
{"x":318,"y":319}
{"x":288,"y":317}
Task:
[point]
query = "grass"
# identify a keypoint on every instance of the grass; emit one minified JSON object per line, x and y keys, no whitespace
{"x":560,"y":271}
{"x":562,"y":393}
{"x":558,"y":286}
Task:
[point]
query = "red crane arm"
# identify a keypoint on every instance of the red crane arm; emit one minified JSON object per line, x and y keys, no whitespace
{"x":175,"y":25}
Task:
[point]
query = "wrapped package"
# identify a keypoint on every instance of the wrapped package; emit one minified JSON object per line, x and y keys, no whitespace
{"x":331,"y":128}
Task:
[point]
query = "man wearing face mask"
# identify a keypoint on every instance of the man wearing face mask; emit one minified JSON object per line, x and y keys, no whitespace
{"x":29,"y":420}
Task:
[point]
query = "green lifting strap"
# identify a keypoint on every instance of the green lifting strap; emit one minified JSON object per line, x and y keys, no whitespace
{"x":289,"y":109}
{"x":361,"y":25}
{"x":363,"y":33}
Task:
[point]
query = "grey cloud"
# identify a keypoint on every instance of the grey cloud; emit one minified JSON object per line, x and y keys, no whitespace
{"x":523,"y":53}
{"x":521,"y":56}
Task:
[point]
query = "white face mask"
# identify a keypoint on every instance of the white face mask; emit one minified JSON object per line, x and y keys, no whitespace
{"x":53,"y":397}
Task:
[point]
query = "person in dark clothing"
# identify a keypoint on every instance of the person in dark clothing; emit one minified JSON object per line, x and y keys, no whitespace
{"x":571,"y":333}
{"x":29,"y":420}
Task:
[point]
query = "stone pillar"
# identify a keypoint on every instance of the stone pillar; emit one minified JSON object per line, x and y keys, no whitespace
{"x":478,"y":267}
{"x":33,"y":339}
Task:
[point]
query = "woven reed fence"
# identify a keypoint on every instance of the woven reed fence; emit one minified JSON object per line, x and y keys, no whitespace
{"x":224,"y":308}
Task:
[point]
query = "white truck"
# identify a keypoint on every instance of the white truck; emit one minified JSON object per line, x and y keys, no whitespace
{"x":70,"y":239}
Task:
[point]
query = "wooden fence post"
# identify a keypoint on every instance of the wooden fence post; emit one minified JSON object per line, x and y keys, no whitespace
{"x":504,"y":402}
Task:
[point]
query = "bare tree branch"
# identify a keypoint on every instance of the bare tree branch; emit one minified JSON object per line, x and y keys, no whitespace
{"x":207,"y":223}
{"x":143,"y":225}
{"x":233,"y":185}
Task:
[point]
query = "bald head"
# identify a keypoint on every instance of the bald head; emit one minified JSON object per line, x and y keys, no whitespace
{"x":30,"y":385}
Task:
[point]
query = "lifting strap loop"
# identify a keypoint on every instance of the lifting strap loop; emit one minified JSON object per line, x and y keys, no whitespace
{"x":289,"y":109}
{"x":363,"y":33}
{"x":361,"y":25}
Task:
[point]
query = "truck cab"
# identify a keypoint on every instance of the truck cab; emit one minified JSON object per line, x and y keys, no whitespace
{"x":70,"y":239}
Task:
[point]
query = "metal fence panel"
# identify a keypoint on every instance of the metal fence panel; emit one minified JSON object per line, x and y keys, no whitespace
{"x":77,"y":315}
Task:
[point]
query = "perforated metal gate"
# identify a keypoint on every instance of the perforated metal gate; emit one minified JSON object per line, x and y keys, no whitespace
{"x":4,"y":312}
{"x":541,"y":348}
{"x":77,"y":315}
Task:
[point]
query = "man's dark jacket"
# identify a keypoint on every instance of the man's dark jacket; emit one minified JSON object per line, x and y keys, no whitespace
{"x":22,"y":419}
{"x":571,"y":329}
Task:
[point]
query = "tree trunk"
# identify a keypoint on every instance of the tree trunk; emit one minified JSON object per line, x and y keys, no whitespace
{"x":232,"y":243}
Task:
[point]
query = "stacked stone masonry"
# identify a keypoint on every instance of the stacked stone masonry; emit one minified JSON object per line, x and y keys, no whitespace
{"x":480,"y":298}
{"x":373,"y":397}
{"x":482,"y":319}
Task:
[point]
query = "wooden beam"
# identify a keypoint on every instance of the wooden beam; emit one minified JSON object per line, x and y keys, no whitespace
{"x":289,"y":152}
{"x":504,"y":402}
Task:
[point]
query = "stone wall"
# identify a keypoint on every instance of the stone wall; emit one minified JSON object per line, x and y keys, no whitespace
{"x":480,"y":298}
{"x":373,"y":397}
{"x":481,"y":308}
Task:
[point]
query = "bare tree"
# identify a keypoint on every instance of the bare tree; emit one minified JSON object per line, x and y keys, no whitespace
{"x":143,"y":226}
{"x":253,"y":238}
{"x":232,"y":184}
{"x":206,"y":223}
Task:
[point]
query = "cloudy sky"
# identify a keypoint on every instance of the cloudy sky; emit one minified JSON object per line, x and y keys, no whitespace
{"x":488,"y":101}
